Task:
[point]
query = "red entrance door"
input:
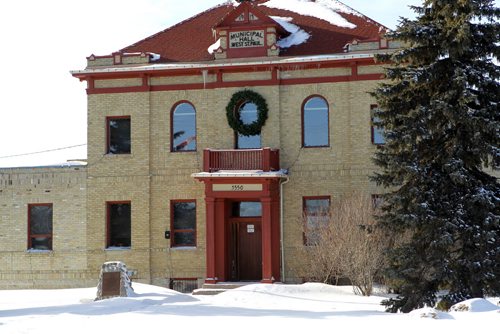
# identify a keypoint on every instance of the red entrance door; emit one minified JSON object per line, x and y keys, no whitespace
{"x":246,"y":250}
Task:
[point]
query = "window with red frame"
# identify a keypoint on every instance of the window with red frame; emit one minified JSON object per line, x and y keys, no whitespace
{"x":119,"y":225}
{"x":40,"y":226}
{"x":377,"y":131}
{"x":315,"y":122}
{"x":183,"y":223}
{"x":183,"y":128}
{"x":118,"y":135}
{"x":316,"y":216}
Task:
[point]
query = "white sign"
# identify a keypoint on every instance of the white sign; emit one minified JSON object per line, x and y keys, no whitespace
{"x":250,"y":228}
{"x":246,"y":39}
{"x":237,"y":187}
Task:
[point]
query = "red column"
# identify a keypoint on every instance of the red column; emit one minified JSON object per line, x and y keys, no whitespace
{"x":267,"y":258}
{"x":220,"y":240}
{"x":210,"y":235}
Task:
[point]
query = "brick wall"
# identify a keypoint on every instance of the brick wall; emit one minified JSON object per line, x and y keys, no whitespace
{"x":66,"y":265}
{"x":151,"y":176}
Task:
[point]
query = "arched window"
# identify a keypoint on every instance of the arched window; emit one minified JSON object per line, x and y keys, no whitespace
{"x":183,"y":127}
{"x":315,"y":122}
{"x":248,"y":114}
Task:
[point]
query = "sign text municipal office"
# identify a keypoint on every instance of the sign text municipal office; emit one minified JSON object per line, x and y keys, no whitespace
{"x":246,"y":39}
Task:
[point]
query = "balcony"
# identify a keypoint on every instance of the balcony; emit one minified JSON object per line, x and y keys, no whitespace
{"x":265,"y":159}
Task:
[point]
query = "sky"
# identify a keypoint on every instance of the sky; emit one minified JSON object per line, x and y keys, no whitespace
{"x":42,"y":107}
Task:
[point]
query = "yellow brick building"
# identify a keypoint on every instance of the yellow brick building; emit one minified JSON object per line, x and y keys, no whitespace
{"x":169,"y":187}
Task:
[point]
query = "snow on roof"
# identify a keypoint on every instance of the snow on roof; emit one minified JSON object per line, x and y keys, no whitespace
{"x":330,"y":24}
{"x":297,"y":35}
{"x":211,"y":49}
{"x":327,"y":10}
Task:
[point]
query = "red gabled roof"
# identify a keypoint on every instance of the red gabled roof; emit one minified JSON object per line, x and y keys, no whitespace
{"x":188,"y":40}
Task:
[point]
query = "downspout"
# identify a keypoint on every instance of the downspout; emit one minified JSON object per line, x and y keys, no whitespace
{"x":281,"y":230}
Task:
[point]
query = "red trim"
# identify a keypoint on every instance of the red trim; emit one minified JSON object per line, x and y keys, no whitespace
{"x":108,"y":220}
{"x":30,"y":235}
{"x":108,"y":133}
{"x":328,"y":121}
{"x":172,"y":126}
{"x":173,"y":230}
{"x":233,"y":84}
{"x":354,"y":69}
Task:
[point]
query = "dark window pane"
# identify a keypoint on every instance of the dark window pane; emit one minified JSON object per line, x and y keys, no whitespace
{"x":316,"y":125}
{"x":119,"y":135}
{"x":41,"y":219}
{"x":41,"y":243}
{"x":247,"y":209}
{"x":248,"y":114}
{"x":184,"y":238}
{"x":184,"y":224}
{"x":119,"y":225}
{"x":184,"y":215}
{"x":184,"y":128}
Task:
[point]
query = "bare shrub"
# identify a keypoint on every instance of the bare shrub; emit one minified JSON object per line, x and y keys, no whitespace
{"x":345,"y":243}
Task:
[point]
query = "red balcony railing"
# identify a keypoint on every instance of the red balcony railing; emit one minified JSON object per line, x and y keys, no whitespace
{"x":264,"y":159}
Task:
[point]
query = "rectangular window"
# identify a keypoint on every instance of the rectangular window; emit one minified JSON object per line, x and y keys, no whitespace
{"x":377,"y":202}
{"x":377,"y":131}
{"x":118,"y":135}
{"x":119,"y":223}
{"x":316,"y":216}
{"x":247,"y":209}
{"x":40,"y":226}
{"x":183,"y":223}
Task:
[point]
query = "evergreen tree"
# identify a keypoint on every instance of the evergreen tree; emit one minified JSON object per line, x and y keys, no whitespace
{"x":440,"y":112}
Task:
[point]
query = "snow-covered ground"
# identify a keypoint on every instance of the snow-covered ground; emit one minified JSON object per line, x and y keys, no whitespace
{"x":307,"y":308}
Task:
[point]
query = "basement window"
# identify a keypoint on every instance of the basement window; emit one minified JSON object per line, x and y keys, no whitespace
{"x":119,"y":222}
{"x":118,"y":135}
{"x":40,"y":226}
{"x":183,"y":285}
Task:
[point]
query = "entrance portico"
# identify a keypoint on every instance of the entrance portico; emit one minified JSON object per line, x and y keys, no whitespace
{"x":242,"y":224}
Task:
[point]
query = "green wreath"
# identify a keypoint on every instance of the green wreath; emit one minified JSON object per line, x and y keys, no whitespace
{"x":233,"y":117}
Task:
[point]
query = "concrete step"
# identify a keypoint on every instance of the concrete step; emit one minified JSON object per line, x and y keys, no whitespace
{"x":214,"y":289}
{"x":207,"y":292}
{"x":226,"y":285}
